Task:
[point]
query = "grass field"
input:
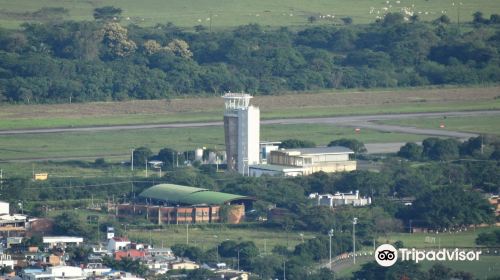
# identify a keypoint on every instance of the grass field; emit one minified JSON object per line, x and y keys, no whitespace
{"x":207,"y":237}
{"x":111,"y":145}
{"x":418,"y":240}
{"x":487,"y":125}
{"x":229,"y":13}
{"x":284,"y":106}
{"x":487,"y":266}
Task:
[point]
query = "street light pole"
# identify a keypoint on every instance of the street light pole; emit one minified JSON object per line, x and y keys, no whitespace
{"x":330,"y":234}
{"x":354,"y":222}
{"x":238,"y":259}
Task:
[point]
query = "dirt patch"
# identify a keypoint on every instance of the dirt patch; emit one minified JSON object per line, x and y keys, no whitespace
{"x":266,"y":103}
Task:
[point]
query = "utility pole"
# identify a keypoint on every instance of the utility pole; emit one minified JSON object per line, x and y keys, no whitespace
{"x":284,"y":269}
{"x":238,"y":259}
{"x":146,"y":167}
{"x":187,"y":233}
{"x":354,"y":222}
{"x":330,"y":234}
{"x":210,"y":23}
{"x":132,"y":160}
{"x":482,"y":144}
{"x":1,"y":179}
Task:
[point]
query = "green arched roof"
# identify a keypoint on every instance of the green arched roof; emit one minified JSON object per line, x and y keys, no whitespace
{"x":189,"y":195}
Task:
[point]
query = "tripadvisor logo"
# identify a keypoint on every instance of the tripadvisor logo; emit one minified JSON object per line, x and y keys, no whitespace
{"x":386,"y":255}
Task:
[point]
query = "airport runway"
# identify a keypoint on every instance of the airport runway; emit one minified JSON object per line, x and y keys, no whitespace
{"x":355,"y":121}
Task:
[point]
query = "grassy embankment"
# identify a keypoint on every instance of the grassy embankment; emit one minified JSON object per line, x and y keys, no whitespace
{"x":227,"y":13}
{"x":487,"y":266}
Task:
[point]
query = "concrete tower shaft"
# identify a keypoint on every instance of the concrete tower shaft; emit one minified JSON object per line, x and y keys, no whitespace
{"x":242,"y":132}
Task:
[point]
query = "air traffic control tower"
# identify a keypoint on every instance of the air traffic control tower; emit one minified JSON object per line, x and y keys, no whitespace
{"x":242,"y":132}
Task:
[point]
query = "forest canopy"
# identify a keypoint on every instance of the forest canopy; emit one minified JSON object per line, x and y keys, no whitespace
{"x":63,"y":61}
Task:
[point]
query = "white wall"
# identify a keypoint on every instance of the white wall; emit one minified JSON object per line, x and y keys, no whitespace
{"x":4,"y":207}
{"x":248,"y":138}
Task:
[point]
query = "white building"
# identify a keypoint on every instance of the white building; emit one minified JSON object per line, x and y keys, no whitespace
{"x":305,"y":161}
{"x":117,"y":243}
{"x":4,"y":207}
{"x":57,"y":273}
{"x":242,"y":132}
{"x":266,"y":147}
{"x":95,"y":269}
{"x":62,"y":240}
{"x":340,"y":199}
{"x":6,"y":260}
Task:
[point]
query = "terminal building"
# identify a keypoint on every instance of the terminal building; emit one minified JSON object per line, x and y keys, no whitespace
{"x":297,"y":162}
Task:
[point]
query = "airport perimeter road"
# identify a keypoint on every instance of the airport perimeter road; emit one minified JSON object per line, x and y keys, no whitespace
{"x":354,"y":121}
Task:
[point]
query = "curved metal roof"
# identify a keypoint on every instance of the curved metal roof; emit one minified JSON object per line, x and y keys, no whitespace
{"x":189,"y":195}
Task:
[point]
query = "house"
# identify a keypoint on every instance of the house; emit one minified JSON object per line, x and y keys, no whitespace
{"x":62,"y":241}
{"x":7,"y":261}
{"x":184,"y":264}
{"x":230,"y":274}
{"x":117,"y":243}
{"x":95,"y":269}
{"x":167,"y":252}
{"x":56,"y":273}
{"x":13,"y":224}
{"x":130,"y":253}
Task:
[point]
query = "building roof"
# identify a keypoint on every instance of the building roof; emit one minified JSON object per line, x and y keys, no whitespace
{"x":189,"y":195}
{"x":322,"y":150}
{"x":277,"y":168}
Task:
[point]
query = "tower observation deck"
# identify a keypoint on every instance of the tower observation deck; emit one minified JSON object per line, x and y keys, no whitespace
{"x":236,"y":101}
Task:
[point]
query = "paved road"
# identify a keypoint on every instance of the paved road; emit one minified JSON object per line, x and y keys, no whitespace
{"x":343,"y":120}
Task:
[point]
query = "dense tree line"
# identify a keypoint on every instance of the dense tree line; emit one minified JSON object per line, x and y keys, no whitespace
{"x":409,"y":270}
{"x":65,"y":61}
{"x":489,"y":238}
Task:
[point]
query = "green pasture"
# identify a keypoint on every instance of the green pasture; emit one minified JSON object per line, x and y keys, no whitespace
{"x":483,"y":124}
{"x":207,"y":237}
{"x":444,"y":239}
{"x":118,"y":144}
{"x":230,"y":13}
{"x":66,"y":169}
{"x":487,"y":266}
{"x":215,"y":114}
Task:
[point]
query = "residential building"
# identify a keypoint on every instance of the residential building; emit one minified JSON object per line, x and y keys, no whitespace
{"x":130,"y":253}
{"x":4,"y":207}
{"x":184,"y":264}
{"x":230,"y":274}
{"x":95,"y":269}
{"x":56,"y":273}
{"x":7,"y":261}
{"x":62,"y":241}
{"x":117,"y":243}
